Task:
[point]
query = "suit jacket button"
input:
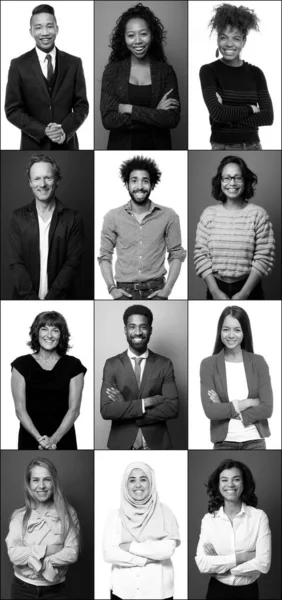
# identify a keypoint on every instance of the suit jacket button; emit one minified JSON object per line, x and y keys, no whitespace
{"x":50,"y":107}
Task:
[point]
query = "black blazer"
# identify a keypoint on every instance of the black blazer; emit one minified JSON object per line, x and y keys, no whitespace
{"x":30,"y":107}
{"x":115,"y":91}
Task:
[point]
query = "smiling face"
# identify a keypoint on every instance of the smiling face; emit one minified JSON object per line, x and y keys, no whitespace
{"x":44,"y":31}
{"x":138,"y":333}
{"x":138,"y":485}
{"x":139,"y":186}
{"x":230,"y":43}
{"x":232,"y":181}
{"x":48,"y":337}
{"x":137,"y":37}
{"x":231,"y":333}
{"x":231,"y":484}
{"x":41,"y":484}
{"x":42,"y":181}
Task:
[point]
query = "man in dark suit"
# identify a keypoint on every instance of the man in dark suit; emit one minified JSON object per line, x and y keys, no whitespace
{"x":138,"y":392}
{"x":46,"y":92}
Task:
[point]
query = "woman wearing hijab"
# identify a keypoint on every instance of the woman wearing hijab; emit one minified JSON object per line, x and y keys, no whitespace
{"x":141,"y":537}
{"x":43,"y":538}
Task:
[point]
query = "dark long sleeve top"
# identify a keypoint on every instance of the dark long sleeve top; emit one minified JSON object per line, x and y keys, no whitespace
{"x":234,"y":121}
{"x":115,"y":91}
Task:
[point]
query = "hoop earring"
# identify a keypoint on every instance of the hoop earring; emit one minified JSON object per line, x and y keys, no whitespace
{"x":217,"y":53}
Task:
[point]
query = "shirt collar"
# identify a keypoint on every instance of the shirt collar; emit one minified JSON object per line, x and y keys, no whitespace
{"x":154,"y":206}
{"x":42,"y":55}
{"x":132,"y":355}
{"x":220,"y":513}
{"x":59,"y":207}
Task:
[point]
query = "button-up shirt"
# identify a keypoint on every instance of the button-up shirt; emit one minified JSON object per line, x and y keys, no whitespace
{"x":43,"y":60}
{"x":141,"y":246}
{"x":250,"y":532}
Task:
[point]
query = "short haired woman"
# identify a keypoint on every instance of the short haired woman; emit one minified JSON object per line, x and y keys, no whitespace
{"x":235,"y":244}
{"x":236,"y":390}
{"x":43,"y":538}
{"x":139,"y":98}
{"x":235,"y":92}
{"x":47,"y":387}
{"x":143,"y":534}
{"x":235,"y":539}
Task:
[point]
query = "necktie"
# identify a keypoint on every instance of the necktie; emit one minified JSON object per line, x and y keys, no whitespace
{"x":50,"y":71}
{"x":137,"y":370}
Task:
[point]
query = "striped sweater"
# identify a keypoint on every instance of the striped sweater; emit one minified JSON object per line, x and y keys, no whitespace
{"x":233,"y":121}
{"x":231,"y":243}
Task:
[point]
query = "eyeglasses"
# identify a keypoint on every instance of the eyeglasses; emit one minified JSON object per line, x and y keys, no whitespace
{"x":227,"y":179}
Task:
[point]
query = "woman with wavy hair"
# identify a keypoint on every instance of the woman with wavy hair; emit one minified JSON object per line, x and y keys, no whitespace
{"x":43,"y":538}
{"x":235,"y":92}
{"x":47,"y":387}
{"x":235,"y":246}
{"x":236,"y":390}
{"x":139,"y":98}
{"x":235,"y":539}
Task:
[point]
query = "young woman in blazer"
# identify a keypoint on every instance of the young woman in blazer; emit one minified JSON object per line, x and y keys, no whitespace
{"x":139,"y":98}
{"x":236,"y":389}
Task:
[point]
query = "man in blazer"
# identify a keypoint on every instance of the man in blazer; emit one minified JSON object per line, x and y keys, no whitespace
{"x":46,"y":92}
{"x":138,"y":392}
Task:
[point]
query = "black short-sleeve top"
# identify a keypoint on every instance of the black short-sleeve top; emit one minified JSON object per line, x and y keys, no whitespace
{"x":47,"y":397}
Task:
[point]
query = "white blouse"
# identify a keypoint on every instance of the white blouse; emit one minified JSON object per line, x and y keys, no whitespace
{"x":27,"y":553}
{"x":132,"y":576}
{"x":250,"y":532}
{"x":237,"y":388}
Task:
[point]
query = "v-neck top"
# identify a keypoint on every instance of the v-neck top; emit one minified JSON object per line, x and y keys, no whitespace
{"x":47,"y":398}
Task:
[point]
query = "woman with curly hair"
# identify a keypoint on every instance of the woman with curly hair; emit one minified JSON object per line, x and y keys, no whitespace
{"x":235,"y":91}
{"x":47,"y":387}
{"x":235,"y":538}
{"x":43,"y":538}
{"x":235,"y":244}
{"x":236,"y":390}
{"x":139,"y":98}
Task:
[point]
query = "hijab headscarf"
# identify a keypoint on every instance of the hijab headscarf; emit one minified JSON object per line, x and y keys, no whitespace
{"x":146,"y":519}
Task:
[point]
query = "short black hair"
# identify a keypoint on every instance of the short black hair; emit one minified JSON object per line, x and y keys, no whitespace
{"x":250,"y":179}
{"x":36,"y":158}
{"x":138,"y":309}
{"x":53,"y":319}
{"x":237,"y":17}
{"x":43,"y":8}
{"x":248,"y":495}
{"x":140,"y":163}
{"x":237,"y":312}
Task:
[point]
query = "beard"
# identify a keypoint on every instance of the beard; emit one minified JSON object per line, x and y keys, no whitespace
{"x":140,"y":201}
{"x":141,"y":346}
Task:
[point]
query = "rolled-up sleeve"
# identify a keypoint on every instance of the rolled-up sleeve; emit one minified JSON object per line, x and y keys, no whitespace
{"x":173,"y":239}
{"x":108,"y":239}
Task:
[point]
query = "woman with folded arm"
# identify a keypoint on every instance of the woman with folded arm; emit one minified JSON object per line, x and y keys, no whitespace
{"x":235,"y":539}
{"x":43,"y":538}
{"x":141,"y":537}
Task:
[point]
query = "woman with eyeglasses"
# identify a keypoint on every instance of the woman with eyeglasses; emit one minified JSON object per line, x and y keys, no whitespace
{"x":235,"y":244}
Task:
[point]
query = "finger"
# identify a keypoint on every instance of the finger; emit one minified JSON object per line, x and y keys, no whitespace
{"x":169,"y":92}
{"x":125,"y":293}
{"x":152,"y":295}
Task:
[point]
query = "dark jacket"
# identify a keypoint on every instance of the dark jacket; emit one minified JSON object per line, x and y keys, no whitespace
{"x":127,"y":416}
{"x":213,"y":377}
{"x":31,"y":107}
{"x":115,"y":92}
{"x":64,"y":256}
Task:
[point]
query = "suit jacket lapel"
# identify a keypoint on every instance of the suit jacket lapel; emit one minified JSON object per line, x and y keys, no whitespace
{"x":62,"y":70}
{"x":128,"y":374}
{"x":148,"y":369}
{"x":35,"y":65}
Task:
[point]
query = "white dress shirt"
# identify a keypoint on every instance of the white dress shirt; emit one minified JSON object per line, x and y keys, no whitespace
{"x":250,"y":532}
{"x":43,"y":60}
{"x":132,"y":578}
{"x":27,"y":553}
{"x":44,"y":228}
{"x":237,"y":388}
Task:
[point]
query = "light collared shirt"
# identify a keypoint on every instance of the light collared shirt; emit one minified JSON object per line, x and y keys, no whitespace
{"x":144,"y":356}
{"x":250,"y":532}
{"x":44,"y":228}
{"x":27,"y":552}
{"x":131,"y":576}
{"x":43,"y":60}
{"x":141,"y":246}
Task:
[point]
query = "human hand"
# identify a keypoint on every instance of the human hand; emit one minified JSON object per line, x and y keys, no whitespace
{"x":152,"y":401}
{"x":54,"y":132}
{"x":125,"y":109}
{"x":244,"y":556}
{"x":163,"y":293}
{"x":240,"y":296}
{"x":168,"y":103}
{"x":209,"y":549}
{"x":119,"y":293}
{"x":213,"y":396}
{"x":217,"y":294}
{"x":47,"y":443}
{"x":114,"y":394}
{"x":255,"y":108}
{"x":236,"y":406}
{"x":53,"y":549}
{"x":219,"y":98}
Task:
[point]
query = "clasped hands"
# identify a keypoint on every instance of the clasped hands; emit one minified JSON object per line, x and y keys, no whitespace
{"x":47,"y":443}
{"x":55,"y":133}
{"x":217,"y":294}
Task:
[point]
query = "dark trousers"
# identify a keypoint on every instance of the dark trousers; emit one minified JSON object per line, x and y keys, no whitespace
{"x":25,"y":591}
{"x":114,"y":597}
{"x":233,"y":288}
{"x":221,"y":591}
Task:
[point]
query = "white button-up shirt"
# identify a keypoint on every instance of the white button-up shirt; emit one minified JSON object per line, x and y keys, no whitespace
{"x":44,"y":62}
{"x":44,"y":228}
{"x":132,"y":578}
{"x":250,"y":532}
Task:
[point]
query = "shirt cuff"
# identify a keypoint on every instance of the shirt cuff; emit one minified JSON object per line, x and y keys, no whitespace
{"x":34,"y":560}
